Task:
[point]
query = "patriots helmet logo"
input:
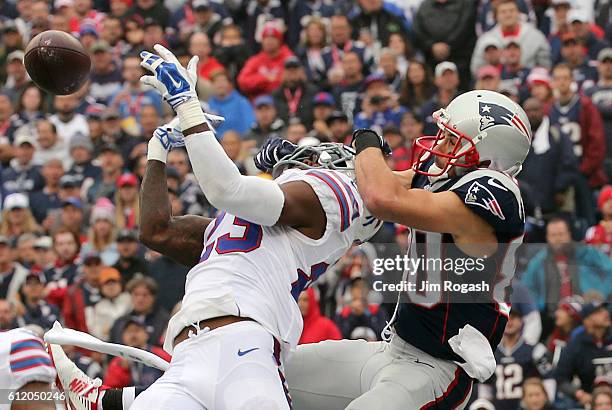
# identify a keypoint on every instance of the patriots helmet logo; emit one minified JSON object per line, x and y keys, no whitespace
{"x":481,"y":196}
{"x":494,"y":114}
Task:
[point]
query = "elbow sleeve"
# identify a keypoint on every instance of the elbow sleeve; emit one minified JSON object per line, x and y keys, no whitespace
{"x":251,"y":198}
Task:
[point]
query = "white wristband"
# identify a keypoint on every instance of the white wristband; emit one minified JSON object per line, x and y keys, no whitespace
{"x":190,"y":114}
{"x":156,"y":150}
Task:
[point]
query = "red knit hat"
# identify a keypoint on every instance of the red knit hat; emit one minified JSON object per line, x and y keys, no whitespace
{"x":604,"y":196}
{"x":271,"y":29}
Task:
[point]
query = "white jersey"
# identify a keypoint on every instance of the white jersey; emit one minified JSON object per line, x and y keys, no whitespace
{"x":259,"y":271}
{"x":23,"y":359}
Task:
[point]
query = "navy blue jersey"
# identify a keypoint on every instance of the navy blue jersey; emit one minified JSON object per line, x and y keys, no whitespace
{"x":567,"y":118}
{"x":514,"y":366}
{"x":432,"y":317}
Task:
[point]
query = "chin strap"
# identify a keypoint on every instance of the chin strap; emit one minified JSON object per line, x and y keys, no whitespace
{"x":435,"y":169}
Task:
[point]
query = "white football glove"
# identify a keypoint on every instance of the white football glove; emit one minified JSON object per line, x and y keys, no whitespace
{"x":176,"y":84}
{"x":170,"y":135}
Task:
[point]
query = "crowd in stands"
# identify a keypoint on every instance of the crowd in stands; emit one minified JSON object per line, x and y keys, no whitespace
{"x":309,"y":71}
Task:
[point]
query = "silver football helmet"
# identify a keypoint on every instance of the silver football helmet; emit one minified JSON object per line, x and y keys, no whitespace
{"x":493,"y":132}
{"x":330,"y":155}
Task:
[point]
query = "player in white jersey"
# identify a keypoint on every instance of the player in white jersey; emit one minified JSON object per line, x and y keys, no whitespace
{"x":239,"y":315}
{"x":26,"y":372}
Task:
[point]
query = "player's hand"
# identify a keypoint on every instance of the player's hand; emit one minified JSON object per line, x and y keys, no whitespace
{"x":170,"y":135}
{"x":271,"y":152}
{"x":175,"y":83}
{"x":367,"y":133}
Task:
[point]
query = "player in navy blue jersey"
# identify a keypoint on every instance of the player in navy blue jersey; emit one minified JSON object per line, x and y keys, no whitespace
{"x":517,"y":361}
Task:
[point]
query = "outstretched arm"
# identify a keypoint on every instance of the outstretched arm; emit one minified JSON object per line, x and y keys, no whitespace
{"x":178,"y":237}
{"x":255,"y":199}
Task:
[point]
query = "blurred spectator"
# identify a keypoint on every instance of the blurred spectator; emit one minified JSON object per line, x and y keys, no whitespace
{"x":600,"y":235}
{"x":8,"y":319}
{"x":380,"y":105}
{"x":341,"y":44}
{"x":232,"y":52}
{"x":550,"y":168}
{"x":572,"y":53}
{"x":72,"y":216}
{"x":111,"y":31}
{"x":601,"y":398}
{"x":17,"y":79}
{"x":154,"y":33}
{"x":539,"y":85}
{"x":302,"y":13}
{"x":535,"y":49}
{"x":581,"y":25}
{"x":578,"y":117}
{"x":262,"y":14}
{"x":316,"y":326}
{"x":151,"y":9}
{"x":400,"y":154}
{"x":134,"y":32}
{"x":30,"y":107}
{"x":46,"y":200}
{"x":22,"y":175}
{"x":82,"y":168}
{"x":37,"y":310}
{"x":513,"y":73}
{"x":601,"y":95}
{"x":339,"y":127}
{"x":113,"y":303}
{"x":310,"y":50}
{"x":123,"y":373}
{"x":267,"y":123}
{"x":323,"y":105}
{"x":201,"y":17}
{"x":130,"y":99}
{"x":81,"y":297}
{"x":446,"y":81}
{"x":199,"y":45}
{"x":445,"y":31}
{"x":126,"y":202}
{"x":111,"y":163}
{"x":66,"y":245}
{"x":114,"y":133}
{"x":262,"y":73}
{"x":170,"y":276}
{"x":6,"y":125}
{"x":44,"y":255}
{"x":417,"y":87}
{"x":232,"y":145}
{"x":565,"y":268}
{"x":25,"y":250}
{"x":360,"y":318}
{"x":388,"y":66}
{"x":488,"y":78}
{"x":586,"y":355}
{"x":50,"y":145}
{"x":190,"y":194}
{"x":143,"y":292}
{"x":516,"y":361}
{"x":296,"y":132}
{"x":347,"y":83}
{"x":229,"y":103}
{"x":411,"y":128}
{"x":567,"y":318}
{"x":67,"y":121}
{"x":17,"y":218}
{"x":101,"y":234}
{"x":130,"y":262}
{"x":373,"y":23}
{"x":12,"y":274}
{"x":535,"y":396}
{"x":294,"y":97}
{"x":105,"y":77}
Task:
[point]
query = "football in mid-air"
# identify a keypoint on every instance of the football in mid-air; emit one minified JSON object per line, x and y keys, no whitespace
{"x":57,"y":62}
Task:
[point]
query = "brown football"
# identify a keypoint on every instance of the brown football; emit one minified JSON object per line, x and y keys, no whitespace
{"x":57,"y":62}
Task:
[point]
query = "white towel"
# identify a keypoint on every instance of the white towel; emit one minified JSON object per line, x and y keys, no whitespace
{"x":541,"y":141}
{"x":473,"y":347}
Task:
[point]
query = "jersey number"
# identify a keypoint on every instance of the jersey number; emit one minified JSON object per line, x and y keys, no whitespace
{"x":508,"y":381}
{"x":247,"y":242}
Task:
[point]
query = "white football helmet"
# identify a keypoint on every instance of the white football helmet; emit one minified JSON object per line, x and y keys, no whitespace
{"x":493,"y":131}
